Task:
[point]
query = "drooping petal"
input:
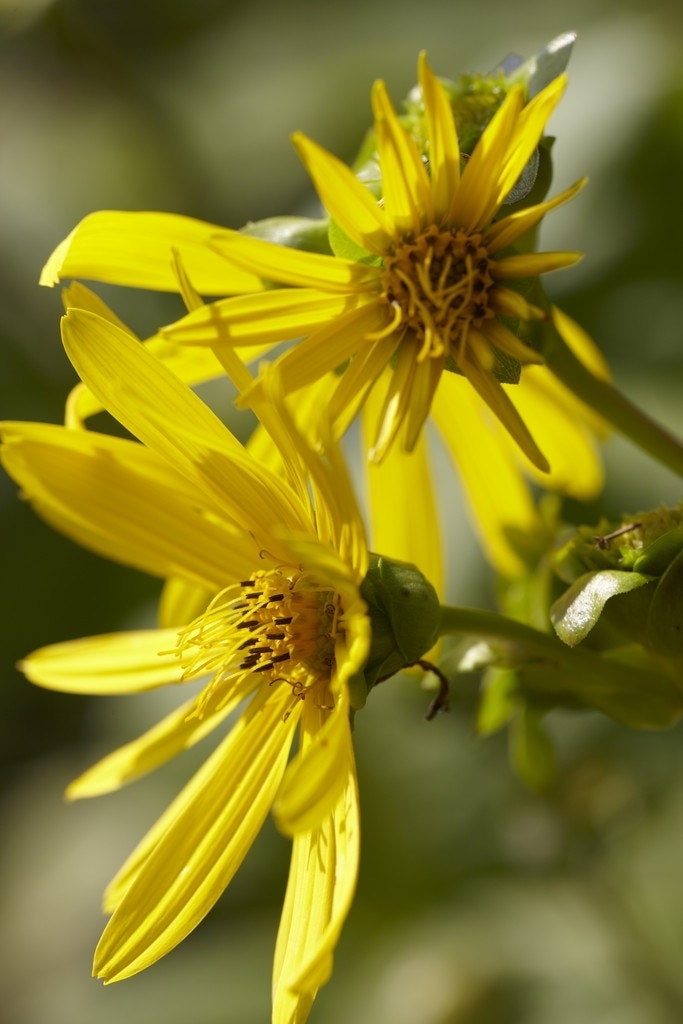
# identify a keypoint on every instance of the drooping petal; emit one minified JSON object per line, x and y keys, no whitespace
{"x":349,"y":203}
{"x":403,"y":516}
{"x":444,"y":151}
{"x":317,"y":774}
{"x":112,"y":664}
{"x":498,"y":400}
{"x":496,"y":491}
{"x":320,"y":889}
{"x":178,"y":731}
{"x":295,"y":266}
{"x":164,"y":414}
{"x":552,"y":410}
{"x":135,"y":249}
{"x":396,"y":403}
{"x":405,"y":185}
{"x":179,"y":871}
{"x":330,"y":346}
{"x":120,"y":500}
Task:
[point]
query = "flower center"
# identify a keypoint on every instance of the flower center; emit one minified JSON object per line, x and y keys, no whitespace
{"x":279,"y":623}
{"x":440,"y":285}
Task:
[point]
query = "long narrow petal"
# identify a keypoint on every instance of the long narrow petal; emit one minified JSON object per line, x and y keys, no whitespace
{"x":531,"y":264}
{"x":405,"y":185}
{"x":120,"y":500}
{"x":425,"y":382}
{"x":178,"y":731}
{"x":320,"y":889}
{"x":444,"y":151}
{"x":479,"y":195}
{"x":264,"y":319}
{"x":317,"y":774}
{"x":207,"y":832}
{"x":136,"y":249}
{"x":349,"y":203}
{"x":164,"y":414}
{"x":485,"y":458}
{"x":403,"y":517}
{"x":506,"y":231}
{"x":396,"y":402}
{"x":528,"y":129}
{"x":551,"y":410}
{"x":295,"y":266}
{"x":113,"y":664}
{"x":330,"y":346}
{"x":581,"y":344}
{"x":501,"y":404}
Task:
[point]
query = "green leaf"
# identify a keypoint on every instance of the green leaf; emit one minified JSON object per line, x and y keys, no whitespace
{"x":303,"y":233}
{"x":346,"y":248}
{"x":544,"y":68}
{"x":575,"y":613}
{"x":498,"y":703}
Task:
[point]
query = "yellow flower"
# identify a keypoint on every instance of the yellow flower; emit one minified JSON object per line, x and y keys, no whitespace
{"x":264,"y":605}
{"x":429,"y":290}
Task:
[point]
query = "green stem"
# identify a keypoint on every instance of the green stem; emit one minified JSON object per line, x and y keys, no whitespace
{"x":516,"y":637}
{"x":609,"y":403}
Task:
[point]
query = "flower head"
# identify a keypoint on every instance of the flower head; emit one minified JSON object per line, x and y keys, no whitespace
{"x":428,"y":286}
{"x":263,"y":604}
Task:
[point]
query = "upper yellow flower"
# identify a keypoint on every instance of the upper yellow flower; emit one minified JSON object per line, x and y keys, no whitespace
{"x":264,"y":604}
{"x":429,"y":290}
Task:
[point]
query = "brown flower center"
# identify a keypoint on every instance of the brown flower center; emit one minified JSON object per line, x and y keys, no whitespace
{"x":279,"y":623}
{"x":441,"y":284}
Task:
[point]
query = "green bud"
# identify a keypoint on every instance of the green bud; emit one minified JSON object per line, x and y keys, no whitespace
{"x":640,"y":561}
{"x":405,"y":616}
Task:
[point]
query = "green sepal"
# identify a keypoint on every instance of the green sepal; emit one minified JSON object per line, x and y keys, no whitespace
{"x":577,"y":611}
{"x":404,"y":613}
{"x":345,"y":248}
{"x":303,"y":233}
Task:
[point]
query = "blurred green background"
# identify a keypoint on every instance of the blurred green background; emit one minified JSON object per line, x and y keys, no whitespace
{"x":479,"y":903}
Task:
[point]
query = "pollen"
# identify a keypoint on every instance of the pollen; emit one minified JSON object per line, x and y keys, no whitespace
{"x":280,"y":624}
{"x":441,"y":284}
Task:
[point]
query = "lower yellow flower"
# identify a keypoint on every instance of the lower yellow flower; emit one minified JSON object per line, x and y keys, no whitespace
{"x":264,"y":604}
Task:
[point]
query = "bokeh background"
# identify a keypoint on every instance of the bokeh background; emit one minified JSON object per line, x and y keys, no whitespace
{"x":479,"y":902}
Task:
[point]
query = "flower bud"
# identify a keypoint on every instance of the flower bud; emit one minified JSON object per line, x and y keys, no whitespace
{"x":404,"y":614}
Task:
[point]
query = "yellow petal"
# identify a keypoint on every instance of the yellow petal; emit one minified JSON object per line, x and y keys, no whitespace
{"x":320,"y":889}
{"x":165,"y":415}
{"x":403,"y":518}
{"x":553,"y":413}
{"x":136,"y":249}
{"x":583,"y":347}
{"x":532,"y":264}
{"x":330,"y":346}
{"x":396,"y":402}
{"x":444,"y":151}
{"x":264,"y":319}
{"x":181,"y":602}
{"x":507,"y":230}
{"x":405,"y":185}
{"x":349,"y":203}
{"x":113,"y":664}
{"x":500,"y":403}
{"x":120,"y":500}
{"x":499,"y":498}
{"x":294,"y":266}
{"x":174,"y":878}
{"x":528,"y":129}
{"x":178,"y":731}
{"x":317,"y":774}
{"x":479,"y":193}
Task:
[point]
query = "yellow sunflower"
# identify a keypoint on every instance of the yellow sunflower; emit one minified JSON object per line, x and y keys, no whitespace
{"x":264,"y":606}
{"x":430,"y":288}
